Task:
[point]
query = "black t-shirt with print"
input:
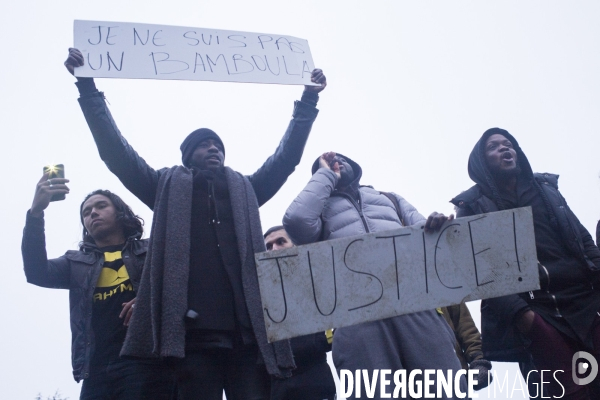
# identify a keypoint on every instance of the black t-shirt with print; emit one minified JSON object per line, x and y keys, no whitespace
{"x":112,"y":290}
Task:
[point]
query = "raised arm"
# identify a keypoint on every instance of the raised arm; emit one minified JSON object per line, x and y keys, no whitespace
{"x":271,"y":176}
{"x":38,"y":269}
{"x":302,"y":220}
{"x":120,"y":158}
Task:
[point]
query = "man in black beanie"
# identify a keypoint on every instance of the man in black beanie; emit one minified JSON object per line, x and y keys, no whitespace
{"x":545,"y":327}
{"x":199,"y":303}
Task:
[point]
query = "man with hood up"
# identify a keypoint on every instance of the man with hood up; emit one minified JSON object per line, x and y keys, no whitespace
{"x":334,"y":205}
{"x":199,"y":303}
{"x":553,"y":323}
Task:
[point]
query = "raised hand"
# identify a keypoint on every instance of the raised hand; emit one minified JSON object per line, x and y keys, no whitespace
{"x":45,"y":189}
{"x":327,"y":160}
{"x":74,"y":60}
{"x":316,"y":76}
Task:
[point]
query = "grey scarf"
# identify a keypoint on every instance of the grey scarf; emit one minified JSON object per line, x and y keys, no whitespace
{"x":157,"y":327}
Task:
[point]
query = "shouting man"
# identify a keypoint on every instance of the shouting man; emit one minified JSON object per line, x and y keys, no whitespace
{"x":553,"y":323}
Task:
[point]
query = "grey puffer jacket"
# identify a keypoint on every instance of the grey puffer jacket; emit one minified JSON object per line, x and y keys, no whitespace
{"x":77,"y":271}
{"x":320,"y":212}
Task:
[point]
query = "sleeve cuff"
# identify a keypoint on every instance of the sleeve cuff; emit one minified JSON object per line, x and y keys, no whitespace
{"x":86,"y":86}
{"x":310,"y":98}
{"x":34,"y":221}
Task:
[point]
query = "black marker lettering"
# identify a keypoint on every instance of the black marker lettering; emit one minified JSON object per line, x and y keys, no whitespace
{"x":209,"y":61}
{"x":262,"y":42}
{"x":312,"y":280}
{"x":110,"y":61}
{"x":168,"y":60}
{"x":137,"y":35}
{"x":425,"y":264}
{"x":284,"y":41}
{"x":198,"y":55}
{"x":269,"y":66}
{"x":305,"y":68}
{"x":282,"y":288}
{"x":475,"y":254}
{"x":362,"y":273}
{"x":285,"y":65}
{"x":191,"y":38}
{"x":239,"y":57}
{"x":154,"y":39}
{"x":230,"y":37}
{"x":435,"y":258}
{"x":99,"y":36}
{"x":264,"y":68}
{"x":90,"y":63}
{"x":395,"y":258}
{"x":209,"y":40}
{"x":515,"y":236}
{"x":296,"y":47}
{"x":108,"y":35}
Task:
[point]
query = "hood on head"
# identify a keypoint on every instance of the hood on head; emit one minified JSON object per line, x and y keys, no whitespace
{"x":355,"y":167}
{"x":478,"y":170}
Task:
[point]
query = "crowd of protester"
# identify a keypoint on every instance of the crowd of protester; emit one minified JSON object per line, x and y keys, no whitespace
{"x":179,"y":315}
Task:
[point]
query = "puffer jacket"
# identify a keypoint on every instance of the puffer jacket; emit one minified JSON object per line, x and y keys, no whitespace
{"x":77,"y":271}
{"x":320,"y":212}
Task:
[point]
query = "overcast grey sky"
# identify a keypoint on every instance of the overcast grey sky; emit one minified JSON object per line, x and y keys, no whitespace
{"x":412,"y":85}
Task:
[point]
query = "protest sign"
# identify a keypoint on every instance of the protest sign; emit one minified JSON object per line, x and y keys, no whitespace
{"x":347,"y":281}
{"x":131,"y":50}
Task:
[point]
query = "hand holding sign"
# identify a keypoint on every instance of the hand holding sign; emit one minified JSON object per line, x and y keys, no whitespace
{"x":74,"y":60}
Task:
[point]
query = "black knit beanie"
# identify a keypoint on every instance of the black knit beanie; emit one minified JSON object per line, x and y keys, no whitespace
{"x":193,"y":140}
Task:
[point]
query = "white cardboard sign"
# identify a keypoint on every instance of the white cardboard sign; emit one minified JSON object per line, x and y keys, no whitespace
{"x":347,"y":281}
{"x":131,"y":50}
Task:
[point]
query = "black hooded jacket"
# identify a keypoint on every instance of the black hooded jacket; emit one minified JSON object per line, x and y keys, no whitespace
{"x":569,"y":259}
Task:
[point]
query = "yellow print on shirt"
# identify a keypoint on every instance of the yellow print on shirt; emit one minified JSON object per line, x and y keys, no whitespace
{"x":109,"y":277}
{"x":116,"y":280}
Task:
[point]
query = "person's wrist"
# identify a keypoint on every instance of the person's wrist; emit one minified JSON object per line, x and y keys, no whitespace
{"x":36,"y":213}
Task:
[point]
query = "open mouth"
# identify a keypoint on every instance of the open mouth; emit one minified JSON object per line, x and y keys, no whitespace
{"x":507,"y":156}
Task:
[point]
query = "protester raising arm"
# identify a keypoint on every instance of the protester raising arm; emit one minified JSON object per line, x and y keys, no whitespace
{"x":269,"y":178}
{"x":302,"y":220}
{"x":38,"y":269}
{"x":120,"y":158}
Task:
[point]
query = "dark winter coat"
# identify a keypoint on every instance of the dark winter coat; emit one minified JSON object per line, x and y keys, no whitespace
{"x":251,"y":192}
{"x":576,"y":303}
{"x":77,"y":271}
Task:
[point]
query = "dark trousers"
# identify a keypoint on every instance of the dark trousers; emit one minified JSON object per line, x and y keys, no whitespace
{"x":552,"y":350}
{"x":311,"y":383}
{"x":128,"y":379}
{"x":204,"y":374}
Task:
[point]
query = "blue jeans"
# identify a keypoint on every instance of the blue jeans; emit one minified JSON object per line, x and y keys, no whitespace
{"x":130,"y":379}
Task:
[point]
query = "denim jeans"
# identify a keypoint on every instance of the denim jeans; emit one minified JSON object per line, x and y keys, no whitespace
{"x":204,"y":374}
{"x":130,"y":379}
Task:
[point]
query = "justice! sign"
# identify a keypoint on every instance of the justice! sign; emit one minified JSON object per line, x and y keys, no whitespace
{"x":347,"y":281}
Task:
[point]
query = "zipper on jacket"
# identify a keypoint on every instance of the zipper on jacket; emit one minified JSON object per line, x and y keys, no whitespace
{"x":358,"y":208}
{"x":558,"y":314}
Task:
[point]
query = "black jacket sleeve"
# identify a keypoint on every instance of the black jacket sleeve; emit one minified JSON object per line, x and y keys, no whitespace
{"x":38,"y":269}
{"x":271,"y":176}
{"x":120,"y":158}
